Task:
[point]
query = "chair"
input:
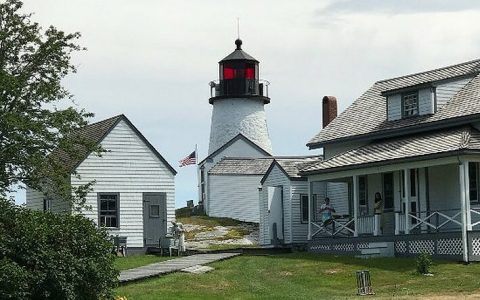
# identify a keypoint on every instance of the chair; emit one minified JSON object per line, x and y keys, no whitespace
{"x":165,"y":243}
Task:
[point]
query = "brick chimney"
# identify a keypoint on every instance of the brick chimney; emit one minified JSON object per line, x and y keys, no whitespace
{"x":329,"y":107}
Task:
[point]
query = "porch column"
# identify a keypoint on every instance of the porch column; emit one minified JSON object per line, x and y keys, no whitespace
{"x":467,"y":197}
{"x":355,"y":204}
{"x":406,"y":189}
{"x":463,"y":169}
{"x":310,"y":200}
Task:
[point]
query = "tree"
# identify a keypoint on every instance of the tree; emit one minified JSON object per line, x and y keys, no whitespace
{"x":53,"y":256}
{"x":33,"y":63}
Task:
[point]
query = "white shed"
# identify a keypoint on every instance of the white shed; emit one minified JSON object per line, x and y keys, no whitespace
{"x":134,"y":191}
{"x":234,"y":186}
{"x":284,"y":202}
{"x":239,"y":146}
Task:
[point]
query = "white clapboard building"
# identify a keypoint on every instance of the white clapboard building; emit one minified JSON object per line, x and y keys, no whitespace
{"x":134,"y":191}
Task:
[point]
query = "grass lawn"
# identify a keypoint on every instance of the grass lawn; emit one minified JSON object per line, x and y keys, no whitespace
{"x":129,"y":262}
{"x":308,"y":276}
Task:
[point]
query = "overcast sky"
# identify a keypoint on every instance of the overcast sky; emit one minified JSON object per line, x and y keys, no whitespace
{"x":152,"y":60}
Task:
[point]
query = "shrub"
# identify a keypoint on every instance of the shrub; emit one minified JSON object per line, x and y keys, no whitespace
{"x":54,"y":256}
{"x":424,"y":262}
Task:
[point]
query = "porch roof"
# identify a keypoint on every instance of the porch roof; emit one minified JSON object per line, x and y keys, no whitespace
{"x":420,"y":146}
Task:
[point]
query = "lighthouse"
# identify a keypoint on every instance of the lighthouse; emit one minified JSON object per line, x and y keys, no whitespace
{"x":238,"y":99}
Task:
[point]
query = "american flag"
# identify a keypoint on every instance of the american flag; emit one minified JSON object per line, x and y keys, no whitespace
{"x":191,"y":159}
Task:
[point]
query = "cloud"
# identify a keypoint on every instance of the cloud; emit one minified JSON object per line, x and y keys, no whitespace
{"x":397,"y":7}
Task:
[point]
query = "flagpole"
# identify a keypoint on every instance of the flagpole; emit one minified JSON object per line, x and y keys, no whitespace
{"x":198,"y":177}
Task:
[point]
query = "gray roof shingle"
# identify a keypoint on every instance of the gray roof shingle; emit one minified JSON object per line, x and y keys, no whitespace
{"x":292,"y":166}
{"x":94,"y":133}
{"x":367,"y":115}
{"x":241,"y":166}
{"x":412,"y":147}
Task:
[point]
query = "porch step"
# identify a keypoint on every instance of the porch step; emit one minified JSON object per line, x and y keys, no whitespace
{"x":377,"y":249}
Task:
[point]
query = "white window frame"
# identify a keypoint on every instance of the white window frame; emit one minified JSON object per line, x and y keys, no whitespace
{"x":410,"y":104}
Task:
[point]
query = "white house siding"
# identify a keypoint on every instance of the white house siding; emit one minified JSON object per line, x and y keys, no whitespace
{"x":239,"y":148}
{"x":276,"y":178}
{"x":332,"y":150}
{"x":394,"y":107}
{"x":445,"y":91}
{"x":299,"y":230}
{"x":235,"y":196}
{"x":444,"y":187}
{"x":295,"y":230}
{"x":426,"y":102}
{"x":131,"y":169}
{"x":34,"y":199}
{"x":337,"y":192}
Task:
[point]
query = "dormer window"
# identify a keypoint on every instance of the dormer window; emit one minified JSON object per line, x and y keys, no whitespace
{"x":410,"y":104}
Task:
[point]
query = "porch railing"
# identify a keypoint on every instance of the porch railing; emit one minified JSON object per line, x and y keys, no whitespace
{"x":475,"y":217}
{"x":436,"y":221}
{"x":366,"y":225}
{"x":337,"y":227}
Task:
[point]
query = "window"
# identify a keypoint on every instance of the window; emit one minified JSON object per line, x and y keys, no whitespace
{"x":304,"y":207}
{"x":388,"y":191}
{"x":410,"y":104}
{"x":109,"y":209}
{"x":155,"y":210}
{"x":362,"y":195}
{"x":473,"y":182}
{"x":47,"y":204}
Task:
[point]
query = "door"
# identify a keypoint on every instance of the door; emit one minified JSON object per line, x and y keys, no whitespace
{"x":275,"y":213}
{"x":414,"y":206}
{"x":154,"y":217}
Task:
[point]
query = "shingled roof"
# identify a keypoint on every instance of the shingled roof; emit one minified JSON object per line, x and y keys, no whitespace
{"x":95,"y":133}
{"x":416,"y":147}
{"x":366,"y":117}
{"x":241,"y":166}
{"x":291,"y":166}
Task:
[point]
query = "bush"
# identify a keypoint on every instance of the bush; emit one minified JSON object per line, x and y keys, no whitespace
{"x":54,"y":256}
{"x":424,"y":262}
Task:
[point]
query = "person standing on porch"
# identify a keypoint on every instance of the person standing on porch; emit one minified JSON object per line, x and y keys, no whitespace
{"x":378,"y":209}
{"x":326,"y":210}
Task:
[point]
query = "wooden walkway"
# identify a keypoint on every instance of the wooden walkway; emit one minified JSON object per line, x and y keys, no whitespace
{"x":171,"y":265}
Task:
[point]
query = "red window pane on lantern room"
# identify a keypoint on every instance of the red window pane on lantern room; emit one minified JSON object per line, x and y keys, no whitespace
{"x":228,"y":73}
{"x":250,"y":72}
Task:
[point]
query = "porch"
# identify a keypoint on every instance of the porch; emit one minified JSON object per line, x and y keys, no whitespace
{"x":430,"y":206}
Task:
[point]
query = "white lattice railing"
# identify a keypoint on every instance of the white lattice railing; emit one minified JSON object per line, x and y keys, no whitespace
{"x":336,"y":227}
{"x":434,"y":220}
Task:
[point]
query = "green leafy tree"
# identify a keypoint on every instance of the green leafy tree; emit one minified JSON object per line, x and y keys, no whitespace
{"x":53,"y":256}
{"x":33,"y":63}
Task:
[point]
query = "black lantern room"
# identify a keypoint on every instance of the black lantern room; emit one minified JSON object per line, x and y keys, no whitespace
{"x":239,"y":77}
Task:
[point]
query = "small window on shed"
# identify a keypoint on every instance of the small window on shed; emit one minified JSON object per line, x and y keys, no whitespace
{"x":410,"y":104}
{"x":108,"y":212}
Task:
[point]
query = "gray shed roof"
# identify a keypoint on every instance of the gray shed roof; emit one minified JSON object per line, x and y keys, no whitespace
{"x":414,"y":147}
{"x":241,"y":166}
{"x":291,"y":166}
{"x":366,"y":117}
{"x":95,"y":133}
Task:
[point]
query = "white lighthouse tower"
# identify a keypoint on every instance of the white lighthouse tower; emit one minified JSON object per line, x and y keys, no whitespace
{"x":238,"y":100}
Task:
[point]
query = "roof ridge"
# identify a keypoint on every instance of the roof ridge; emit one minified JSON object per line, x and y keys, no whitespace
{"x":104,"y":120}
{"x":433,"y":70}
